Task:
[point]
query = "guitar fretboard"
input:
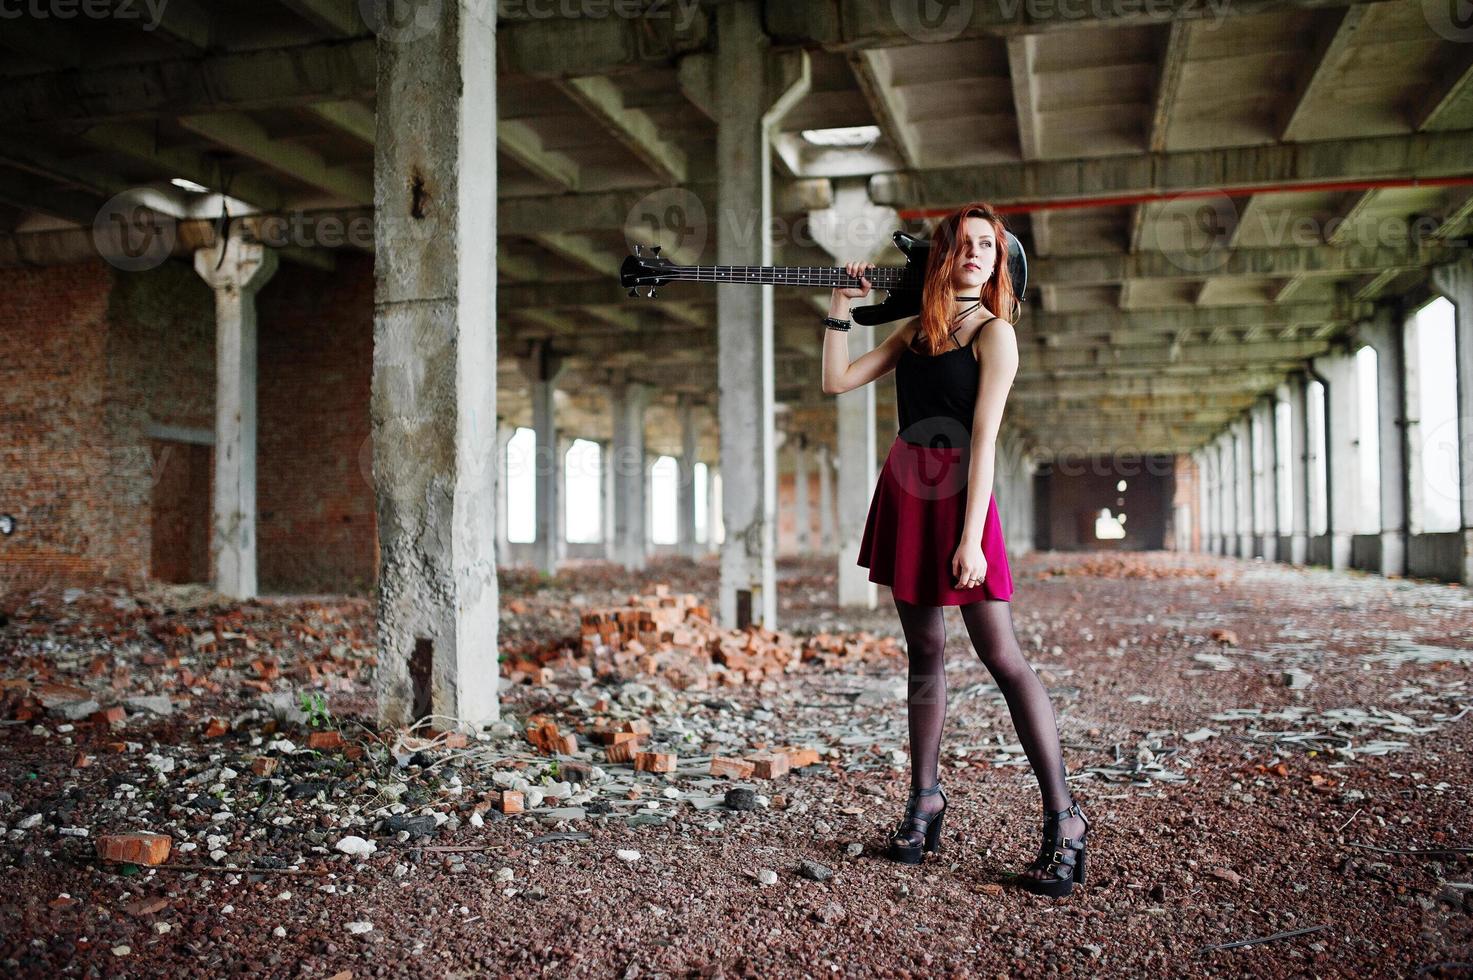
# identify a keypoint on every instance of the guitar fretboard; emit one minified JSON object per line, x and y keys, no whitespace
{"x":881,"y":277}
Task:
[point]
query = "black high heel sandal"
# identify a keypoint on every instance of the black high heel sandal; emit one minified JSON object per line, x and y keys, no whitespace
{"x":908,"y":851}
{"x":1062,"y":860}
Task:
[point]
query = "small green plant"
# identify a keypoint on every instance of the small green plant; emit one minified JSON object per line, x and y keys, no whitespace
{"x":314,"y":706}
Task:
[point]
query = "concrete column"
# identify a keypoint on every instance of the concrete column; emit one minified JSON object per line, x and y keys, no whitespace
{"x":713,"y":507}
{"x":607,"y":495}
{"x":1342,"y":408}
{"x":857,"y":474}
{"x":1268,"y":498}
{"x":1204,"y":501}
{"x":543,"y":369}
{"x":560,"y":501}
{"x":746,"y":115}
{"x":1456,"y":281}
{"x":825,"y":500}
{"x":1299,"y":468}
{"x":803,"y":514}
{"x":649,"y":503}
{"x":1243,"y":463}
{"x":630,"y":399}
{"x":434,"y":378}
{"x":1229,"y":497}
{"x":1384,"y":332}
{"x":235,"y":281}
{"x":686,"y":535}
{"x":504,"y":433}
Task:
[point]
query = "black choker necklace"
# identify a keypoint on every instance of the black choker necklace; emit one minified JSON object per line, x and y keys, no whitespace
{"x":968,"y":297}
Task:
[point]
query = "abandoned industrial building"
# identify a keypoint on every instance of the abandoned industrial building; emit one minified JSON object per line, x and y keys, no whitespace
{"x":446,"y":521}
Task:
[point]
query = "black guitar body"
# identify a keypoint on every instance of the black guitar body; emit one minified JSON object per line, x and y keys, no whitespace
{"x":905,"y":300}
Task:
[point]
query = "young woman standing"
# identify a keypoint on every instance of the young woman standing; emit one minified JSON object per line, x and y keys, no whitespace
{"x":933,"y":534}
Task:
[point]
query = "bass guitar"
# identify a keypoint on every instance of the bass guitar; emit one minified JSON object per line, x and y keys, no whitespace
{"x":902,"y":284}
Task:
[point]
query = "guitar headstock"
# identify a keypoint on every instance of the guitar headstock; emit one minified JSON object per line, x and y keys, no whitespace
{"x":645,"y":269}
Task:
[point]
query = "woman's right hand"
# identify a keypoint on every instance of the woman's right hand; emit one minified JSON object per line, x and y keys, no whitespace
{"x":857,"y":270}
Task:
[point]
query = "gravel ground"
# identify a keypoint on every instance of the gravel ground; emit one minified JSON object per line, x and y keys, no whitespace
{"x":1260,"y":750}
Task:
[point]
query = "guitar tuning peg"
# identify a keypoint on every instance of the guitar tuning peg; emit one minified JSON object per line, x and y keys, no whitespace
{"x":655,"y":249}
{"x":638,"y":249}
{"x":633,"y":291}
{"x":652,"y":292}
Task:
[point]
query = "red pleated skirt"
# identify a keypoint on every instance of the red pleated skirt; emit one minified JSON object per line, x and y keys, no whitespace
{"x":915,"y":524}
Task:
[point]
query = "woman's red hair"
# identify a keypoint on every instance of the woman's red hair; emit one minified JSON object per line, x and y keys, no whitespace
{"x":936,"y":296}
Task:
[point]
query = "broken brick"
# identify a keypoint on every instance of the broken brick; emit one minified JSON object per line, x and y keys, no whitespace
{"x":147,"y":849}
{"x":328,"y":741}
{"x":654,"y":762}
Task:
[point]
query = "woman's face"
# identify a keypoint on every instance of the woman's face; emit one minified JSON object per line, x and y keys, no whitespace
{"x":976,"y":255}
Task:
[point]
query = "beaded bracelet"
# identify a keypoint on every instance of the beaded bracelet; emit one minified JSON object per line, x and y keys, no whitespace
{"x":834,"y":323}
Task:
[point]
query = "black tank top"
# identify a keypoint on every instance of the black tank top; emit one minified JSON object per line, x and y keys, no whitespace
{"x":936,"y":395}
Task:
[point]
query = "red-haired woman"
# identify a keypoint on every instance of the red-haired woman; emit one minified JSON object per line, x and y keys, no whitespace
{"x":933,"y":534}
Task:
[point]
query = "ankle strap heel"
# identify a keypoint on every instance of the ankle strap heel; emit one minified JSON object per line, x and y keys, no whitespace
{"x":1061,"y":859}
{"x":903,"y":845}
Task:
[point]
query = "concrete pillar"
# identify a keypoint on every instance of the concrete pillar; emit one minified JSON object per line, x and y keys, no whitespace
{"x":713,"y":508}
{"x":607,"y":495}
{"x":1268,"y":493}
{"x":746,"y":115}
{"x":1385,"y":333}
{"x":825,"y":500}
{"x":543,"y":369}
{"x":434,"y":377}
{"x":630,"y":399}
{"x":1298,"y":468}
{"x":235,"y":281}
{"x":1243,"y":464}
{"x":560,"y":501}
{"x":689,"y":456}
{"x":1229,"y":497}
{"x":649,"y":502}
{"x":857,"y":474}
{"x":1204,"y":501}
{"x":1342,"y":411}
{"x":1456,"y":281}
{"x":803,"y":514}
{"x":504,"y":433}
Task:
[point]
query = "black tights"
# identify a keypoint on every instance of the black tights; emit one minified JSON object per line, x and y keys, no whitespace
{"x":990,"y":624}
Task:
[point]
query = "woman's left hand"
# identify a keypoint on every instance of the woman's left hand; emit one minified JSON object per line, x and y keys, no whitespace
{"x":968,"y":566}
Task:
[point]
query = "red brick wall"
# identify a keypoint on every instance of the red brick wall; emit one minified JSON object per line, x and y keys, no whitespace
{"x":787,"y":511}
{"x":94,"y":354}
{"x":53,"y":325}
{"x":316,"y":524}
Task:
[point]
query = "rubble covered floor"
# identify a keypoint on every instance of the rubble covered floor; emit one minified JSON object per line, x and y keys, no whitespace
{"x":191,"y":786}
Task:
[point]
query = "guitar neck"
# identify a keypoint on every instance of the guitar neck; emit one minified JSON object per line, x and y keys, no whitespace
{"x":881,"y":277}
